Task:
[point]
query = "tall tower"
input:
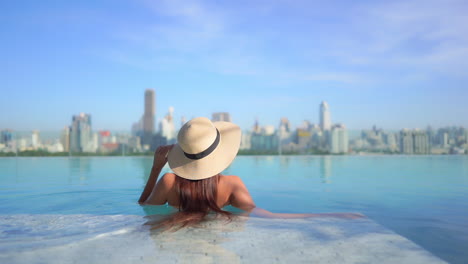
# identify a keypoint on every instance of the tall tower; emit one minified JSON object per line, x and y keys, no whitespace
{"x":338,"y":140}
{"x":182,"y":121}
{"x":167,"y":128}
{"x":325,"y":120}
{"x":80,"y":134}
{"x":406,"y":142}
{"x":148,"y":116}
{"x":65,"y":139}
{"x":285,"y":124}
{"x":35,"y":139}
{"x":221,"y":116}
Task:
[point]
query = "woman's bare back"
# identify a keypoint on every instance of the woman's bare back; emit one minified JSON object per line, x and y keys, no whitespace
{"x":231,"y":191}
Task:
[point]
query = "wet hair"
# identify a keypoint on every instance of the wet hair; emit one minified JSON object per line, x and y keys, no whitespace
{"x":197,"y":199}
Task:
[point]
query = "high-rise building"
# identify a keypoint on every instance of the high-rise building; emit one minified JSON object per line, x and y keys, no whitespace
{"x":264,"y":141}
{"x":284,"y":133}
{"x":137,"y":128}
{"x":167,"y":128}
{"x":325,"y":120}
{"x":316,"y":135}
{"x":285,"y":124}
{"x":338,"y":140}
{"x":92,"y":144}
{"x":65,"y":138}
{"x":445,"y":140}
{"x":264,"y":138}
{"x":80,"y":134}
{"x":406,"y":142}
{"x":256,"y":127}
{"x":414,"y":142}
{"x":6,"y":136}
{"x":182,"y":121}
{"x":149,"y":114}
{"x":246,"y":140}
{"x":421,"y":142}
{"x":390,"y":139}
{"x":303,"y":138}
{"x":35,"y":139}
{"x":145,"y":127}
{"x":221,"y":116}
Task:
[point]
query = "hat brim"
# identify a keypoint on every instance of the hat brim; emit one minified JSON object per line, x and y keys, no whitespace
{"x":215,"y":162}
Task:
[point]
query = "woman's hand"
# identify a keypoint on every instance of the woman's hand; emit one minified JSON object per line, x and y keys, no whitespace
{"x":160,"y":156}
{"x":160,"y":159}
{"x":345,"y":215}
{"x":264,"y":213}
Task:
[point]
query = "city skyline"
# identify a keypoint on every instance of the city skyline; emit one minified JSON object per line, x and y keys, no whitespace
{"x":248,"y":127}
{"x":396,"y":64}
{"x":324,"y":139}
{"x":308,"y":138}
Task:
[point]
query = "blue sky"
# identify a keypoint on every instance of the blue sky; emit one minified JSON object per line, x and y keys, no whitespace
{"x":395,"y":64}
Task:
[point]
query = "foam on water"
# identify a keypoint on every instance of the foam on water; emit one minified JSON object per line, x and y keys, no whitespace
{"x":126,"y":239}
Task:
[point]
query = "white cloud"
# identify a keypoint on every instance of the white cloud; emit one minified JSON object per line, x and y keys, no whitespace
{"x":416,"y":38}
{"x":421,"y":35}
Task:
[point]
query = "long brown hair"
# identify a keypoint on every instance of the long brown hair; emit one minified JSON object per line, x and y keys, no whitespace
{"x":197,"y":198}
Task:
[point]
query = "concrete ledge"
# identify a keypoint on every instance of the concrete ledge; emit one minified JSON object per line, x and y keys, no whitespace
{"x":125,"y":239}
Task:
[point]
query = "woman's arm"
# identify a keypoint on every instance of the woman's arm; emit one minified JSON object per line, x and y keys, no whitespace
{"x":267,"y":214}
{"x":160,"y":159}
{"x":241,"y":199}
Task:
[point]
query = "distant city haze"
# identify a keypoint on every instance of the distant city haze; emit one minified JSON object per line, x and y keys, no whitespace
{"x":393,"y":64}
{"x":324,"y":138}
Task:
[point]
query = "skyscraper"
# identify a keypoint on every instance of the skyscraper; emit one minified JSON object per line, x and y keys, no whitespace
{"x":406,"y":142}
{"x":35,"y":139}
{"x":285,"y":124}
{"x":256,"y":128}
{"x":182,"y":121}
{"x":167,"y":128}
{"x":145,"y":127}
{"x":325,"y":120}
{"x":149,"y":114}
{"x":338,"y":139}
{"x":6,"y":136}
{"x":65,"y":138}
{"x":414,"y":142}
{"x":421,"y":142}
{"x":284,"y":133}
{"x":221,"y":116}
{"x":80,"y":135}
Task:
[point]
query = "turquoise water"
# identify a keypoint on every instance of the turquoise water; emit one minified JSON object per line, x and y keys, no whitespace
{"x":423,"y":198}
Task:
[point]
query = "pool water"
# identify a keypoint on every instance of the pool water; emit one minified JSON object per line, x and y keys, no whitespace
{"x":422,"y":198}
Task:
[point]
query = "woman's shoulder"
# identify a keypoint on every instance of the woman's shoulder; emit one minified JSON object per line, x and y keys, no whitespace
{"x":231,"y":180}
{"x":169,"y":175}
{"x":168,"y":178}
{"x":238,"y":194}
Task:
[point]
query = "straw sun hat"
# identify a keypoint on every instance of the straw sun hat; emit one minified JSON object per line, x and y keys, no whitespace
{"x":204,"y":148}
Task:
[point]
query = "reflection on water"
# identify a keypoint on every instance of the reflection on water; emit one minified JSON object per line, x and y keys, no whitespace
{"x":325,"y":168}
{"x":145,"y":164}
{"x":393,"y":190}
{"x":80,"y":168}
{"x":270,"y":159}
{"x":284,"y":162}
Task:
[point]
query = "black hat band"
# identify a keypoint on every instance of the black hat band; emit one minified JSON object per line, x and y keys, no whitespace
{"x":206,"y":152}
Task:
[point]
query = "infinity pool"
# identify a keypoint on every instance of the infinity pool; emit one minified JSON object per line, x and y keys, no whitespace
{"x":422,"y":198}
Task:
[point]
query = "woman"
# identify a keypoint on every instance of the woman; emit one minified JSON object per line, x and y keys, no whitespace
{"x":197,"y":187}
